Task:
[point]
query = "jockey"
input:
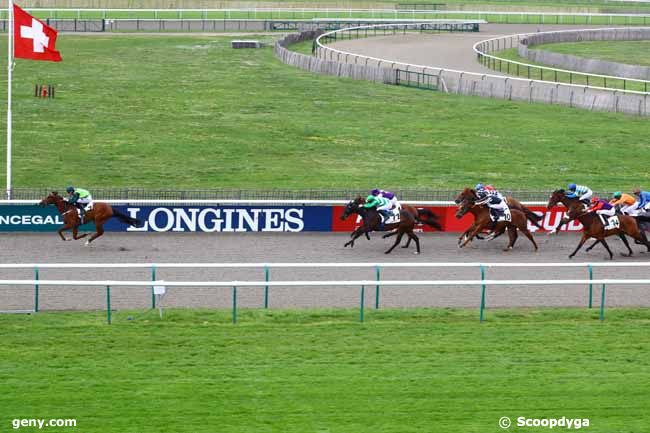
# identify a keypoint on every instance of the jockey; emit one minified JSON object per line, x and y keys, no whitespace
{"x":644,"y":199}
{"x":386,"y":194}
{"x":489,"y":189}
{"x":583,"y":193}
{"x":80,"y":197}
{"x":602,"y":208}
{"x":626,"y":202}
{"x":494,"y":201}
{"x":383,"y":205}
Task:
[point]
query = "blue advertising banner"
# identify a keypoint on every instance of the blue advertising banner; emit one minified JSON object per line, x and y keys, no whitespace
{"x":182,"y":218}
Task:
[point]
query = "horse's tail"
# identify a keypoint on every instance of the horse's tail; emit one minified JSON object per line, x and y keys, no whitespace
{"x":429,"y":218}
{"x":532,"y":216}
{"x":126,"y":219}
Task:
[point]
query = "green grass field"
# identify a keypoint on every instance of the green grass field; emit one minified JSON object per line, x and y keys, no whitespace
{"x":322,"y":371}
{"x":630,"y":52}
{"x":190,"y":112}
{"x":572,"y":5}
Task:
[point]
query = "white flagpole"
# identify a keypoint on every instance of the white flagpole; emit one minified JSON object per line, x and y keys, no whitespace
{"x":10,"y":61}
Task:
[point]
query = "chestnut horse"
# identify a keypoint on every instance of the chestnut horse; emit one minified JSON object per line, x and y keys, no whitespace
{"x":99,"y":214}
{"x":593,"y":225}
{"x":409,"y":216}
{"x":482,"y":221}
{"x":511,"y":202}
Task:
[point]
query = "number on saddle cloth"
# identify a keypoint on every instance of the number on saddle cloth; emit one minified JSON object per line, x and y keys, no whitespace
{"x":504,"y":215}
{"x":613,"y":223}
{"x":393,"y":216}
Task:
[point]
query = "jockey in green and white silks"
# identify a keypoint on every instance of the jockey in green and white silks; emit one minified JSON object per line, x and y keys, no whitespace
{"x":80,"y":198}
{"x":381,"y":203}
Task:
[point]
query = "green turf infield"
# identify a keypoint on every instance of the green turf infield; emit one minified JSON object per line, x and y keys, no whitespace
{"x":420,"y":370}
{"x":190,"y":112}
{"x":630,"y":52}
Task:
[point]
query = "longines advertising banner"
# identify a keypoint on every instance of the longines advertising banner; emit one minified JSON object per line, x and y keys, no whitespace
{"x":211,"y":219}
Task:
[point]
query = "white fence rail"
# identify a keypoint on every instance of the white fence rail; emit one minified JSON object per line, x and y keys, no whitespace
{"x":483,"y":48}
{"x":266,"y":283}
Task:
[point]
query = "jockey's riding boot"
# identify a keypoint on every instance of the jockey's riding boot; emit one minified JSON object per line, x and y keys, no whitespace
{"x":384,"y":213}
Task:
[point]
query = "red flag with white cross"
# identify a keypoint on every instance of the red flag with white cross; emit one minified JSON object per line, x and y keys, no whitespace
{"x":33,"y":39}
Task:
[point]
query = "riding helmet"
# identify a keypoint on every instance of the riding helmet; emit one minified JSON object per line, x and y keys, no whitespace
{"x":70,"y":189}
{"x":374,"y":191}
{"x":617,"y":194}
{"x":572,"y":186}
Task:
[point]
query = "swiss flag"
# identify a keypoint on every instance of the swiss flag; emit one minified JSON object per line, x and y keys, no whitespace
{"x":33,"y":39}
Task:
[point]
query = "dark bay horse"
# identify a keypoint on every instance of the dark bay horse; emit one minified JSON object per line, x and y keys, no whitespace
{"x":99,"y":214}
{"x":409,"y":216}
{"x":593,"y":225}
{"x":482,"y":221}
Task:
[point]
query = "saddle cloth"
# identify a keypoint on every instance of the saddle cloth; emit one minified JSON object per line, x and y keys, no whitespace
{"x":614,"y":223}
{"x":505,"y":215}
{"x":394,"y":216}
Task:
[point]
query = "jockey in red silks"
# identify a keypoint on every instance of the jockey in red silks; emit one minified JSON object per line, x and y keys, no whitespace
{"x":602,"y":208}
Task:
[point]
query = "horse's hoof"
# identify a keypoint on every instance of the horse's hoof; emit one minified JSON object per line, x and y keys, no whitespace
{"x":87,"y":243}
{"x":416,"y":253}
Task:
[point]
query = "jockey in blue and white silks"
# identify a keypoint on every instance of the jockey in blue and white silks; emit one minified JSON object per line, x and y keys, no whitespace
{"x":494,"y":200}
{"x":583,"y":193}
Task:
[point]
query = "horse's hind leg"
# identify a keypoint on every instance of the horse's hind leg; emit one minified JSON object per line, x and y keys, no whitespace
{"x":611,"y":255}
{"x":530,"y":237}
{"x":397,"y":241}
{"x":413,"y":236}
{"x":100,"y":231}
{"x":627,"y":244}
{"x":591,"y":247}
{"x":512,"y":236}
{"x":355,"y":234}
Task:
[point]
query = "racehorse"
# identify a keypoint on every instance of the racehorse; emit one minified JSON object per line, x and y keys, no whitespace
{"x":512,"y":203}
{"x":482,"y":221}
{"x":594,"y":227}
{"x":99,"y":214}
{"x":573,"y":204}
{"x":409,"y":216}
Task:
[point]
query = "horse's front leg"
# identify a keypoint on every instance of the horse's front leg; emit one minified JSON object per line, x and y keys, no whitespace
{"x":562,"y":222}
{"x":355,"y":235}
{"x":471,"y":235}
{"x":62,"y":229}
{"x":464,"y":235}
{"x":75,"y":232}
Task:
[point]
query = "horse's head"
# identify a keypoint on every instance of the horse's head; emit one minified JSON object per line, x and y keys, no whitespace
{"x":464,"y":207}
{"x":53,"y":198}
{"x":352,"y":207}
{"x":467,"y":193}
{"x":556,"y":197}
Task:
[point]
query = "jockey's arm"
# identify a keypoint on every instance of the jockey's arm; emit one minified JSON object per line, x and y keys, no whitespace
{"x":74,"y":198}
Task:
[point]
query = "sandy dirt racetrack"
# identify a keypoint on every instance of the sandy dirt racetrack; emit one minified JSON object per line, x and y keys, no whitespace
{"x":445,"y":50}
{"x":306,"y":247}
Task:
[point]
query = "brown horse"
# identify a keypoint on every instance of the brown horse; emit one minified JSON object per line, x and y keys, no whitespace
{"x":512,"y":203}
{"x":99,"y":214}
{"x":594,"y":227}
{"x":409,"y":216}
{"x":574,"y":206}
{"x":482,"y":221}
